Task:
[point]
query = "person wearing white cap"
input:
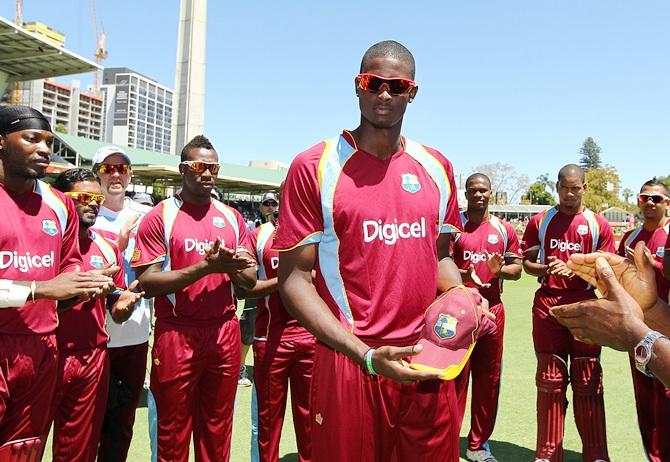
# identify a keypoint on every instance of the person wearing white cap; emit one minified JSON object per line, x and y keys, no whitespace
{"x":128,"y":342}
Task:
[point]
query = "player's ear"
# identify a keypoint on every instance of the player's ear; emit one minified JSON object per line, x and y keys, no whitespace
{"x":413,"y":92}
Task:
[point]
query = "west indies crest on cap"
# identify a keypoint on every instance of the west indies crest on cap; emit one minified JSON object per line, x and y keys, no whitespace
{"x":453,"y":323}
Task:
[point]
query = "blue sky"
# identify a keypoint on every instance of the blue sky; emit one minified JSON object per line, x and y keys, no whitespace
{"x":519,"y":82}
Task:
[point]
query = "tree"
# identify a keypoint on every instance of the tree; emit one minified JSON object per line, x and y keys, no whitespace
{"x":590,"y":152}
{"x":603,"y":185}
{"x":627,"y":193}
{"x":665,"y":180}
{"x":504,"y":179}
{"x":60,"y":128}
{"x":537,"y":194}
{"x":547,"y":182}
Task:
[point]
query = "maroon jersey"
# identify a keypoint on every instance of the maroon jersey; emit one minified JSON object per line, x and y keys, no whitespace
{"x":272,"y":319}
{"x":178,"y":234}
{"x":493,"y":235}
{"x":38,"y":241}
{"x":376,"y":222}
{"x":656,"y":243}
{"x":553,"y":233}
{"x":83,"y":326}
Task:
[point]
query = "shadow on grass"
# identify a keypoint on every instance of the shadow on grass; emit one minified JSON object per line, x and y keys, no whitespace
{"x":510,"y":452}
{"x":292,"y":457}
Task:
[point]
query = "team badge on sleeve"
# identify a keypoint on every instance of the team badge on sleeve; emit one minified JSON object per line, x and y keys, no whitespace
{"x":493,"y":239}
{"x":410,"y":183}
{"x":582,"y":230}
{"x":445,"y":327}
{"x":660,"y":252}
{"x":97,"y":262}
{"x":218,"y":222}
{"x":49,"y":227}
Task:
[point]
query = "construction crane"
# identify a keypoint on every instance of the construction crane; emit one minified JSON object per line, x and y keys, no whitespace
{"x":16,"y":86}
{"x":100,"y":51}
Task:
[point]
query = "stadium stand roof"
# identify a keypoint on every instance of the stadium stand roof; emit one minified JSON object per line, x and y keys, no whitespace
{"x":150,"y":165}
{"x":27,"y":56}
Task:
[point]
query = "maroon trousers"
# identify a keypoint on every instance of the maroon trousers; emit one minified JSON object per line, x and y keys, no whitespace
{"x":357,"y":417}
{"x":275,"y":363}
{"x":127,"y":364}
{"x":194,"y":381}
{"x":28,"y":369}
{"x":485,"y":365}
{"x":652,"y":402}
{"x":79,"y":404}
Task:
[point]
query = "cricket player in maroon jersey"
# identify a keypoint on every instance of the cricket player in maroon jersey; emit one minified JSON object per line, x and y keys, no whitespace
{"x":283,"y":351}
{"x":188,"y":255}
{"x":373,"y":212}
{"x":486,"y":252}
{"x":549,"y":240}
{"x":651,"y":399}
{"x":39,"y":263}
{"x":83,"y":364}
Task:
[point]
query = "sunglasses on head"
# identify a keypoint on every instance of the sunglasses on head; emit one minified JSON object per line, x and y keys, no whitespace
{"x":655,"y":198}
{"x":86,"y":197}
{"x":199,"y":167}
{"x":114,"y":168}
{"x":374,"y":83}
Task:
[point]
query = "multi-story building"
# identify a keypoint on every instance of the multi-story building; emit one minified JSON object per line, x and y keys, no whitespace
{"x":68,"y":108}
{"x":138,"y":110}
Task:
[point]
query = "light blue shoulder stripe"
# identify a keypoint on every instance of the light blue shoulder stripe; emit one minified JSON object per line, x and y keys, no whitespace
{"x":53,"y":202}
{"x":105,"y":247}
{"x":633,"y":235}
{"x":500,"y":227}
{"x":171,"y":208}
{"x":336,"y":153}
{"x":264,"y":234}
{"x":230,"y":216}
{"x":436,"y":171}
{"x":542,"y":232}
{"x":594,"y":228}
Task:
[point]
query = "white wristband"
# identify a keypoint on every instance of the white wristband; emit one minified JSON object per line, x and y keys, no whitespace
{"x":13,"y":295}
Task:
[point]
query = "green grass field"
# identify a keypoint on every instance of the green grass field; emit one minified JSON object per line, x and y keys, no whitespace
{"x":514,"y":436}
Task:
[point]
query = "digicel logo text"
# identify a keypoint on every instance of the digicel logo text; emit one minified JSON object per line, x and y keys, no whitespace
{"x":25,"y":263}
{"x":474,"y":257}
{"x":389,"y":233}
{"x":201,"y":247}
{"x":562,"y":246}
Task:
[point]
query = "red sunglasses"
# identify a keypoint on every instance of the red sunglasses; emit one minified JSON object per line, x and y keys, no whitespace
{"x":122,"y":169}
{"x":199,"y":167}
{"x":655,"y":198}
{"x":86,"y":197}
{"x":374,"y":83}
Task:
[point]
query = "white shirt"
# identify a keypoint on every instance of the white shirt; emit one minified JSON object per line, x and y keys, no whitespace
{"x":137,"y":328}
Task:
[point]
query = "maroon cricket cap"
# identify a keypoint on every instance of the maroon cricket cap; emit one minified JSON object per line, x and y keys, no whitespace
{"x":453,"y":323}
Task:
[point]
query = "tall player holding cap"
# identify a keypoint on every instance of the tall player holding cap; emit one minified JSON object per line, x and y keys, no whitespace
{"x":41,"y":263}
{"x":372,"y":212}
{"x":487,"y":252}
{"x":651,"y":399}
{"x":549,"y":240}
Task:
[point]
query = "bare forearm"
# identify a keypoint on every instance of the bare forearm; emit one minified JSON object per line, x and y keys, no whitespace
{"x":448,"y":275}
{"x":658,"y":317}
{"x":245,"y":279}
{"x":263,"y":288}
{"x":535,"y":269}
{"x":156,"y":283}
{"x":510,"y":272}
{"x":304,"y":304}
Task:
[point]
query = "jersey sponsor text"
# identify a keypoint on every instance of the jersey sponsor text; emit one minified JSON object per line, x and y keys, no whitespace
{"x":25,"y":263}
{"x":389,"y":233}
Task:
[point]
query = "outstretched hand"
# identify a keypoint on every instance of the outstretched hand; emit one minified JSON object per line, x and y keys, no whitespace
{"x":616,"y":320}
{"x":472,"y":276}
{"x":124,"y":306}
{"x":636,"y":276}
{"x":495,"y":262}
